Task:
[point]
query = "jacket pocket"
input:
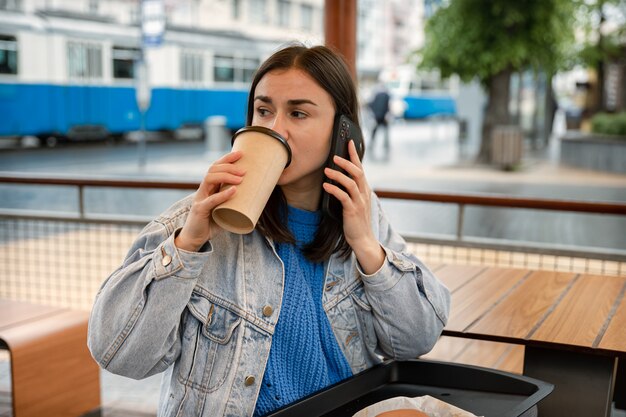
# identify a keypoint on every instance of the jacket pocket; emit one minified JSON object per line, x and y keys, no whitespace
{"x":209,"y":342}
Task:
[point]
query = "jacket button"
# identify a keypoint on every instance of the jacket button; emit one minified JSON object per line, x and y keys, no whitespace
{"x":267,"y":311}
{"x":249,"y":380}
{"x":166,"y":260}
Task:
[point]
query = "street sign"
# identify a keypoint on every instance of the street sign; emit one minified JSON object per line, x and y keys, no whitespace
{"x":152,"y":22}
{"x":142,"y":85}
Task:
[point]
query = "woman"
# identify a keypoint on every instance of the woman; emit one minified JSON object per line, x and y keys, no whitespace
{"x":245,"y":324}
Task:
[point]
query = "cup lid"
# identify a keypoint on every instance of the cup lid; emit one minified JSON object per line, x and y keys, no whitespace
{"x":266,"y":131}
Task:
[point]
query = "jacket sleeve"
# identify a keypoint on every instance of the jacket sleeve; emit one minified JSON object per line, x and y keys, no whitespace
{"x":134,"y":323}
{"x":410,"y":305}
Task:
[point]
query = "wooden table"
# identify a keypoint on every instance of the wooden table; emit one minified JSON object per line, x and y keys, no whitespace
{"x":572,"y":327}
{"x":52,"y":371}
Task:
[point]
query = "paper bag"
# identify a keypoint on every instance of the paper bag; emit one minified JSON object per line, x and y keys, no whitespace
{"x":427,"y":404}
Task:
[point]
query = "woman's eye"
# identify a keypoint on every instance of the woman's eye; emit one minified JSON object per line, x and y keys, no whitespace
{"x":262,"y":111}
{"x":298,"y":114}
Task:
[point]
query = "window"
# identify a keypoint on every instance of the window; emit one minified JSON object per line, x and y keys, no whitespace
{"x":235,"y":10}
{"x":11,"y":5}
{"x":192,"y":66}
{"x":84,"y":60}
{"x":258,"y":11}
{"x":124,"y":61}
{"x":229,"y":69}
{"x":306,"y":17}
{"x":284,"y":13}
{"x":8,"y":55}
{"x":249,"y":67}
{"x":224,"y":69}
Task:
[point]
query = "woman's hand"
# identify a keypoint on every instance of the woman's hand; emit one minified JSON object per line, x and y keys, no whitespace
{"x":356,"y":202}
{"x":199,"y":226}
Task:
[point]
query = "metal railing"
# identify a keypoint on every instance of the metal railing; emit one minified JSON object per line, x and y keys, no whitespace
{"x":61,"y":258}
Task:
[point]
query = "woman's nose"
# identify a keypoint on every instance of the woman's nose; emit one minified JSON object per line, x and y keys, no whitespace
{"x":279,"y":126}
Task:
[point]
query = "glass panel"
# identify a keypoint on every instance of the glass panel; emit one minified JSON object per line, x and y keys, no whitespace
{"x":284,"y":13}
{"x":84,"y":60}
{"x":258,"y":11}
{"x":124,"y":62}
{"x":249,"y":67}
{"x":224,"y":69}
{"x":8,"y":55}
{"x":236,"y":6}
{"x":191,"y":67}
{"x":306,"y":17}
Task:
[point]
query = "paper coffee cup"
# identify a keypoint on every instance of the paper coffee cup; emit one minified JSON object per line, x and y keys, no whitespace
{"x":265,"y":154}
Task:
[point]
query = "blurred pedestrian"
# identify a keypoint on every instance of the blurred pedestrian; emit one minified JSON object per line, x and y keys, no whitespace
{"x":379,"y":105}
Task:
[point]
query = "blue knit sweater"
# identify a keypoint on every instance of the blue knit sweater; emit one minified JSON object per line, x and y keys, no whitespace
{"x":304,"y":356}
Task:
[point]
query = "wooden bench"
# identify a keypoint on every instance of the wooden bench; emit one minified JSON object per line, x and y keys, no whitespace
{"x":52,"y":371}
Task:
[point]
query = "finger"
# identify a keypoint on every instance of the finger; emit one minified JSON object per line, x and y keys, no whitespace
{"x":339,"y":194}
{"x":354,"y":154}
{"x":227,"y":166}
{"x":351,"y":168}
{"x":348,"y":183}
{"x":209,"y":203}
{"x":229,"y":157}
{"x":356,"y":174}
{"x":354,"y":167}
{"x":213,"y":181}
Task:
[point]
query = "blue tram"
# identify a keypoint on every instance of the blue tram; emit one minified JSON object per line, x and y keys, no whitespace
{"x":66,"y":75}
{"x":45,"y":110}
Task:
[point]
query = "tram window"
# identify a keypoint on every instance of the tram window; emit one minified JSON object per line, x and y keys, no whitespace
{"x":84,"y":60}
{"x":249,"y":67}
{"x":224,"y":69}
{"x":8,"y":55}
{"x":192,"y":67}
{"x":124,"y":61}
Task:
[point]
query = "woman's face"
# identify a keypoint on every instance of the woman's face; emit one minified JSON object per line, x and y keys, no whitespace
{"x":294,"y":105}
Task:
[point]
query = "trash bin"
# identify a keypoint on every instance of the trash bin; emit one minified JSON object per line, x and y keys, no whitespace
{"x":506,"y":146}
{"x":216,"y":137}
{"x":484,"y":392}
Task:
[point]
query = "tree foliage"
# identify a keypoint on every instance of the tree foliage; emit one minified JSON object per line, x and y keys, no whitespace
{"x":599,"y":44}
{"x":481,"y":38}
{"x":491,"y":39}
{"x":604,"y":34}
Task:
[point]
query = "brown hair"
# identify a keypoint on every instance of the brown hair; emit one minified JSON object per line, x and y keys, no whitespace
{"x":331,"y":72}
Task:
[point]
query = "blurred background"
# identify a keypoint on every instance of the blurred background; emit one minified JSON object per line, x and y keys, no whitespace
{"x":521,"y":99}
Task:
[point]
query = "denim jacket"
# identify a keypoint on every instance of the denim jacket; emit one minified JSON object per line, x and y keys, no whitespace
{"x":207,"y":318}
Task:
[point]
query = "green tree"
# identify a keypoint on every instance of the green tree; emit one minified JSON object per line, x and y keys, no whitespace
{"x":492,"y":39}
{"x":603,"y":40}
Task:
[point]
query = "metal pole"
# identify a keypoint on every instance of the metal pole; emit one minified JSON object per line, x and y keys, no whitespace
{"x":143,"y":102}
{"x":141,"y":150}
{"x":81,"y":202}
{"x":459,"y":224}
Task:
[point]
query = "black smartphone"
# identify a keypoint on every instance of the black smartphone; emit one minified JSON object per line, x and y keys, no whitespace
{"x":344,"y":130}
